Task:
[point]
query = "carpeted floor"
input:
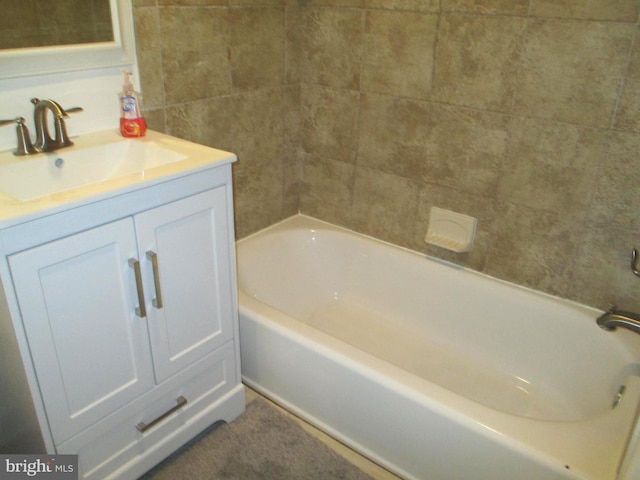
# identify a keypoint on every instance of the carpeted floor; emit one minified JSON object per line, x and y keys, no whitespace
{"x":262,"y":444}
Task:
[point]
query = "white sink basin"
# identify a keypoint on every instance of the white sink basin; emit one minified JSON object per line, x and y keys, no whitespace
{"x":27,"y":178}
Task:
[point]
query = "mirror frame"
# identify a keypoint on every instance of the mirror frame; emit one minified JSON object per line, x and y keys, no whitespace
{"x":25,"y":62}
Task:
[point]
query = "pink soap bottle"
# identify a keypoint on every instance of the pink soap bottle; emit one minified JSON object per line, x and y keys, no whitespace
{"x":132,"y":123}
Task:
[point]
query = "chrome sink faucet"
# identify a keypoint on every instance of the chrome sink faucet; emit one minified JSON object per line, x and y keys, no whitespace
{"x":43,"y":142}
{"x":619,"y":318}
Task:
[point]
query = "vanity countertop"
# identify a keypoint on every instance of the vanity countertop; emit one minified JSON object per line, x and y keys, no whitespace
{"x":192,"y":159}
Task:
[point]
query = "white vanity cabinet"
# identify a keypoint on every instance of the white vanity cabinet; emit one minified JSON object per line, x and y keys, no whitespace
{"x":130,"y":314}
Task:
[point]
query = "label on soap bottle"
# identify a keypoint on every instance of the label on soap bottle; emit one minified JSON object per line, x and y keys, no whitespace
{"x":129,"y":107}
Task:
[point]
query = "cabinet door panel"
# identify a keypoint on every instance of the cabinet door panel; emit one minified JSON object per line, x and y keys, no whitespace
{"x":90,"y":351}
{"x":190,"y":239}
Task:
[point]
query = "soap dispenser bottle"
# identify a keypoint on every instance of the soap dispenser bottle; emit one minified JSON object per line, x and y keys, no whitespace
{"x":132,"y":123}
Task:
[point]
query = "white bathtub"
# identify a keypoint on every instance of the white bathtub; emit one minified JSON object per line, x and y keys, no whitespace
{"x":434,"y":371}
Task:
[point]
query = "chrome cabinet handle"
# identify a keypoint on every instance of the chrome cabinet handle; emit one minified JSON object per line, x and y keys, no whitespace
{"x":141,"y":310}
{"x":151,"y":255}
{"x":180,"y":402}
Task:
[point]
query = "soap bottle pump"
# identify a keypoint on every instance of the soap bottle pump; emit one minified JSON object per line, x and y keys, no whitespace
{"x":132,"y":123}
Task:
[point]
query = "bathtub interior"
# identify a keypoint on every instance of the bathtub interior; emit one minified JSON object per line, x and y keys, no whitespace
{"x":509,"y":348}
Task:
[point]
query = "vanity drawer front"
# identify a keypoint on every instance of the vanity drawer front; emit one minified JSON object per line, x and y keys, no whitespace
{"x":118,"y":440}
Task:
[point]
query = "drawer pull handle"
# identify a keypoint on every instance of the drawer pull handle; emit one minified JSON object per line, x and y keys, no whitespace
{"x":157,"y":302}
{"x":181,"y":402}
{"x":141,"y":310}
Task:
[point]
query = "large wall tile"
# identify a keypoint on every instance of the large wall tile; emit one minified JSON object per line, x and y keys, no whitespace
{"x":257,"y":196}
{"x":551,"y":166}
{"x":465,"y":149}
{"x":257,"y":48}
{"x":385,"y":205}
{"x":326,"y":189}
{"x":194,"y":70}
{"x":208,"y":122}
{"x":533,"y":248}
{"x":477,"y":60}
{"x":332,"y":48}
{"x":393,"y":134}
{"x":398,"y":58}
{"x":329,"y":120}
{"x":616,"y":193}
{"x":572,"y":70}
{"x":260,"y":112}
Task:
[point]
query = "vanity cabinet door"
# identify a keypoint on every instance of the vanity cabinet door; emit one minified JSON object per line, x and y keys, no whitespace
{"x":78,"y":298}
{"x":187,"y":265}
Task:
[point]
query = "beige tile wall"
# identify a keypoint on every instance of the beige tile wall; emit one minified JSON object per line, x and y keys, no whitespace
{"x":522,"y":113}
{"x":214,"y":73}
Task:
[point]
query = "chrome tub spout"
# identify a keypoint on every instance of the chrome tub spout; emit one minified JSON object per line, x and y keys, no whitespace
{"x":619,"y":318}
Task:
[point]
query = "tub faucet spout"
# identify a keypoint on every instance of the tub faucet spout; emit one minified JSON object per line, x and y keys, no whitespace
{"x":619,"y":318}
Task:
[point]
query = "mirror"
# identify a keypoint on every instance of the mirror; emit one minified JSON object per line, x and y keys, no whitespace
{"x":43,"y":23}
{"x":71,"y":35}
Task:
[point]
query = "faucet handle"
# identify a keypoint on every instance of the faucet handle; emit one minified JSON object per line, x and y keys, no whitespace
{"x":62,"y":138}
{"x":74,"y":110}
{"x":25,"y":147}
